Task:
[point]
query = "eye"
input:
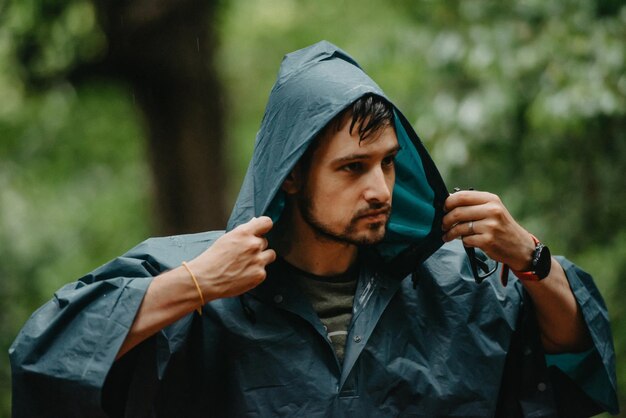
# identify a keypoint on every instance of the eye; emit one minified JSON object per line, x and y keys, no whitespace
{"x":353,"y":167}
{"x":388,"y":161}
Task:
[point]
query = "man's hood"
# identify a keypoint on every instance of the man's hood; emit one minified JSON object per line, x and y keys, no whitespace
{"x":314,"y":85}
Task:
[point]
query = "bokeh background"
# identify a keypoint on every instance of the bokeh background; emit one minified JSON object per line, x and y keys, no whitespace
{"x":121,"y":120}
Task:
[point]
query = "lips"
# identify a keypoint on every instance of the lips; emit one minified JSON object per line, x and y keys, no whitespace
{"x":375,"y":215}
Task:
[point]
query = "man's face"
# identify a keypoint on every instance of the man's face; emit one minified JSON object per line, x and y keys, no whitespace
{"x":346,"y":195}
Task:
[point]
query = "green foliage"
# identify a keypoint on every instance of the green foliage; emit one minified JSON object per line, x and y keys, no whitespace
{"x":45,"y":40}
{"x":523,"y":98}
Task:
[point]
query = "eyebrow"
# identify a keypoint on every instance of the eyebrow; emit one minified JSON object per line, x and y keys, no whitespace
{"x":357,"y":157}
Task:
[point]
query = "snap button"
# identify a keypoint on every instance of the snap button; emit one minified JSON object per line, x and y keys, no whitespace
{"x":541,"y":387}
{"x":278,"y":298}
{"x":357,"y":338}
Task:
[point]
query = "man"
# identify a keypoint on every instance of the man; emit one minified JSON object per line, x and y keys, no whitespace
{"x":332,"y":293}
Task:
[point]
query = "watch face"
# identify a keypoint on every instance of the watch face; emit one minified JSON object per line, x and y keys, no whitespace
{"x":542,"y":261}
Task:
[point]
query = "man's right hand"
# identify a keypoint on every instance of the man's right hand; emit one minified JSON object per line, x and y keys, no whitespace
{"x":234,"y":264}
{"x":236,"y":261}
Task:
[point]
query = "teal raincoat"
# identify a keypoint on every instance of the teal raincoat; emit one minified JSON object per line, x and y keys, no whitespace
{"x":425,"y":338}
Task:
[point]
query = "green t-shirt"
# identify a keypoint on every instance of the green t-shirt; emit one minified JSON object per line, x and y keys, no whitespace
{"x":331,"y":297}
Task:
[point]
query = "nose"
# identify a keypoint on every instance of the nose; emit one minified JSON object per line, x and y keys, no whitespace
{"x":379,"y":186}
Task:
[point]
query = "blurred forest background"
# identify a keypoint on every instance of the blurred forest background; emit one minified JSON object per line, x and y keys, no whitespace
{"x":120,"y":120}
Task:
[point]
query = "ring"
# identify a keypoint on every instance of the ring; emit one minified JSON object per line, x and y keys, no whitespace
{"x":471,"y":227}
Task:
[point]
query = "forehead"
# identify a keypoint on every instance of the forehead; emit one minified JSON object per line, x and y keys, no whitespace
{"x":342,"y":143}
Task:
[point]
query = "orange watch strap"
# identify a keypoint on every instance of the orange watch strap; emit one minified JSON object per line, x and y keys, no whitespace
{"x":522,"y":275}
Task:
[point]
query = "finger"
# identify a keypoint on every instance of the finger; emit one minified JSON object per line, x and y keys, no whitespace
{"x":468,"y":198}
{"x":471,"y":241}
{"x":258,"y":226}
{"x":463,"y":230}
{"x":457,"y":231}
{"x":258,"y":244}
{"x":464,"y":214}
{"x":268,"y":257}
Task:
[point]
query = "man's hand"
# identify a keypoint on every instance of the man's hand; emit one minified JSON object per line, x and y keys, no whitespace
{"x":236,"y":262}
{"x":482,"y":221}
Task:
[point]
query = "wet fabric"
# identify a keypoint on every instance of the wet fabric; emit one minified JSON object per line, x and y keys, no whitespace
{"x":424,"y":338}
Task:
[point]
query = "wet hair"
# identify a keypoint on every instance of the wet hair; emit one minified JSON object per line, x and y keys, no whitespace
{"x":371,"y":113}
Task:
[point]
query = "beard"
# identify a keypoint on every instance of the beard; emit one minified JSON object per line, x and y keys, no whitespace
{"x":349,"y":235}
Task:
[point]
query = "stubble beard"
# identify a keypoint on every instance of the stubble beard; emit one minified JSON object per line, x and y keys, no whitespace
{"x":349,"y":233}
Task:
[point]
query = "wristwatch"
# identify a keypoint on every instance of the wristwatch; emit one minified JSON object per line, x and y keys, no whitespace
{"x":540,"y":264}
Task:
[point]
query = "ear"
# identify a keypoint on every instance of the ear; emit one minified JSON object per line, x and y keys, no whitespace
{"x":293,"y":182}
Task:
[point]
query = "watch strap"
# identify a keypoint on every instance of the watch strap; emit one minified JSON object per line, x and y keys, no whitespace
{"x":528,"y":275}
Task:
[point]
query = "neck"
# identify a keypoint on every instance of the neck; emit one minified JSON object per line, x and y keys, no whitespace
{"x":301,"y":246}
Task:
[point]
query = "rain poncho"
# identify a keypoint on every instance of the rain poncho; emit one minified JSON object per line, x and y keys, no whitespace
{"x":425,"y":339}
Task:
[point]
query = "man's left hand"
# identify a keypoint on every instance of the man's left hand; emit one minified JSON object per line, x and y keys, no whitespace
{"x":481,"y":220}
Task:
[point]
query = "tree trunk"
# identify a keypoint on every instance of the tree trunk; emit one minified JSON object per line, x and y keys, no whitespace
{"x":165,"y":50}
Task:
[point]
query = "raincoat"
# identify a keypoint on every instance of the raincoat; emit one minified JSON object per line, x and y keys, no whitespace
{"x":425,"y":339}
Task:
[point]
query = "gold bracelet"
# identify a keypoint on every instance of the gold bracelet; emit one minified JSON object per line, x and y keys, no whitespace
{"x":195,"y":281}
